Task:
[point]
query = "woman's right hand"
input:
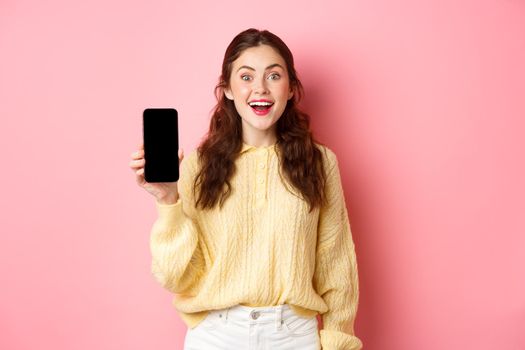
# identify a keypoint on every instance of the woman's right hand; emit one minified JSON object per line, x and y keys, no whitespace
{"x":164,"y":192}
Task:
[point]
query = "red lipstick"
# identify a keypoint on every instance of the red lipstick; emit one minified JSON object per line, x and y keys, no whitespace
{"x":261,"y":110}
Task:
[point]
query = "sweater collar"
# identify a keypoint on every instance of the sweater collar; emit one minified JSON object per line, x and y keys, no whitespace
{"x":246,"y":147}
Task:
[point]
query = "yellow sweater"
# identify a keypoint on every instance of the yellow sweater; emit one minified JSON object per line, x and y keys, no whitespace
{"x":262,"y":249}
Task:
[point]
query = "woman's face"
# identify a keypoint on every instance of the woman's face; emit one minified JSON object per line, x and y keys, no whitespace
{"x":259,"y":73}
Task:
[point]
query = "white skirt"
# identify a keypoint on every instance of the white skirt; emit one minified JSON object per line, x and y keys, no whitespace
{"x":254,"y":328}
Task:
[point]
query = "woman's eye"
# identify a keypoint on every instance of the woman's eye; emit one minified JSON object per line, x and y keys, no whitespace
{"x":274,"y":76}
{"x":245,"y":76}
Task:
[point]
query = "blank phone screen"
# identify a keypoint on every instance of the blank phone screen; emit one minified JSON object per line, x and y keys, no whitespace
{"x":161,"y":145}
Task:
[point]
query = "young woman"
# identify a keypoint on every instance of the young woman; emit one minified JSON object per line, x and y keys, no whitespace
{"x":254,"y":240}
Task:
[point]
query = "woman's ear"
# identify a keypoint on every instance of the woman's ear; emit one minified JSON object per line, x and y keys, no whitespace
{"x":228,"y":93}
{"x":290,"y":94}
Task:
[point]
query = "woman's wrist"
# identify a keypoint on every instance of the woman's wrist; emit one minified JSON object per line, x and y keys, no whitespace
{"x":168,"y":200}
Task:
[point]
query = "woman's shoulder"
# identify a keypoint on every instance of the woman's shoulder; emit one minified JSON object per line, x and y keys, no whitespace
{"x":192,"y":156}
{"x":190,"y":162}
{"x":329,"y":156}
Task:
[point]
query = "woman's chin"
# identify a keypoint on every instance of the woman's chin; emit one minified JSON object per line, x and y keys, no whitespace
{"x":261,"y":125}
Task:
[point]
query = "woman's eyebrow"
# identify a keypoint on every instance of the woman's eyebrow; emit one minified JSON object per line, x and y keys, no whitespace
{"x":270,"y":66}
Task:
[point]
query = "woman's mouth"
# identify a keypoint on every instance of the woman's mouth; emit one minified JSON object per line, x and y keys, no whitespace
{"x":261,"y":108}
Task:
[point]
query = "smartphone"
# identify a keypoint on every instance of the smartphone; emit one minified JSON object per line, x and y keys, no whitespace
{"x":161,"y":144}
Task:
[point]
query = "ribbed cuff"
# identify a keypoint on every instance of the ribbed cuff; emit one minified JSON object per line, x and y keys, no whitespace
{"x":169,"y":213}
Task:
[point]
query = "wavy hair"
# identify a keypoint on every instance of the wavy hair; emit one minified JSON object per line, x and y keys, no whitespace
{"x":300,"y":160}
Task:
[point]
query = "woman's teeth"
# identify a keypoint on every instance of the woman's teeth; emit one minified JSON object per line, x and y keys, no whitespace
{"x":260,"y":106}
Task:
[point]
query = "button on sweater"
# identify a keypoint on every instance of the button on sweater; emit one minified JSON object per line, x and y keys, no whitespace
{"x":263,"y":248}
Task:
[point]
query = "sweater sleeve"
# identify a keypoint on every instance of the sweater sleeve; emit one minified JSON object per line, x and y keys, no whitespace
{"x":336,"y":276}
{"x":177,"y":259}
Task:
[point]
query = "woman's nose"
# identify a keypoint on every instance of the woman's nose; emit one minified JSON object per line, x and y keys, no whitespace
{"x":260,"y":86}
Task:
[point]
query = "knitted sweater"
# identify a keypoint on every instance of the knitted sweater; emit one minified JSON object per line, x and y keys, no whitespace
{"x":263,"y":248}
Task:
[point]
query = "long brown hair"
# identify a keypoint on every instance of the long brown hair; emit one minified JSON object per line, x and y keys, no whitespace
{"x":299,"y":158}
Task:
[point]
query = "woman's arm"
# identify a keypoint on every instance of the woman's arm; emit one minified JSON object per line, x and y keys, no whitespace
{"x":336,"y":276}
{"x":177,"y":259}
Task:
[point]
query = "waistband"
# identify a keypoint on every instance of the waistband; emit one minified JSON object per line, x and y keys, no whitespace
{"x":253,"y":314}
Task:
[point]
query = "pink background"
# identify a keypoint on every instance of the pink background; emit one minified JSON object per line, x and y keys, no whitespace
{"x":422,"y":101}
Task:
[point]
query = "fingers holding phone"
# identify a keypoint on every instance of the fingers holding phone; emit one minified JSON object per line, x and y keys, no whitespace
{"x":156,"y":162}
{"x":164,"y":192}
